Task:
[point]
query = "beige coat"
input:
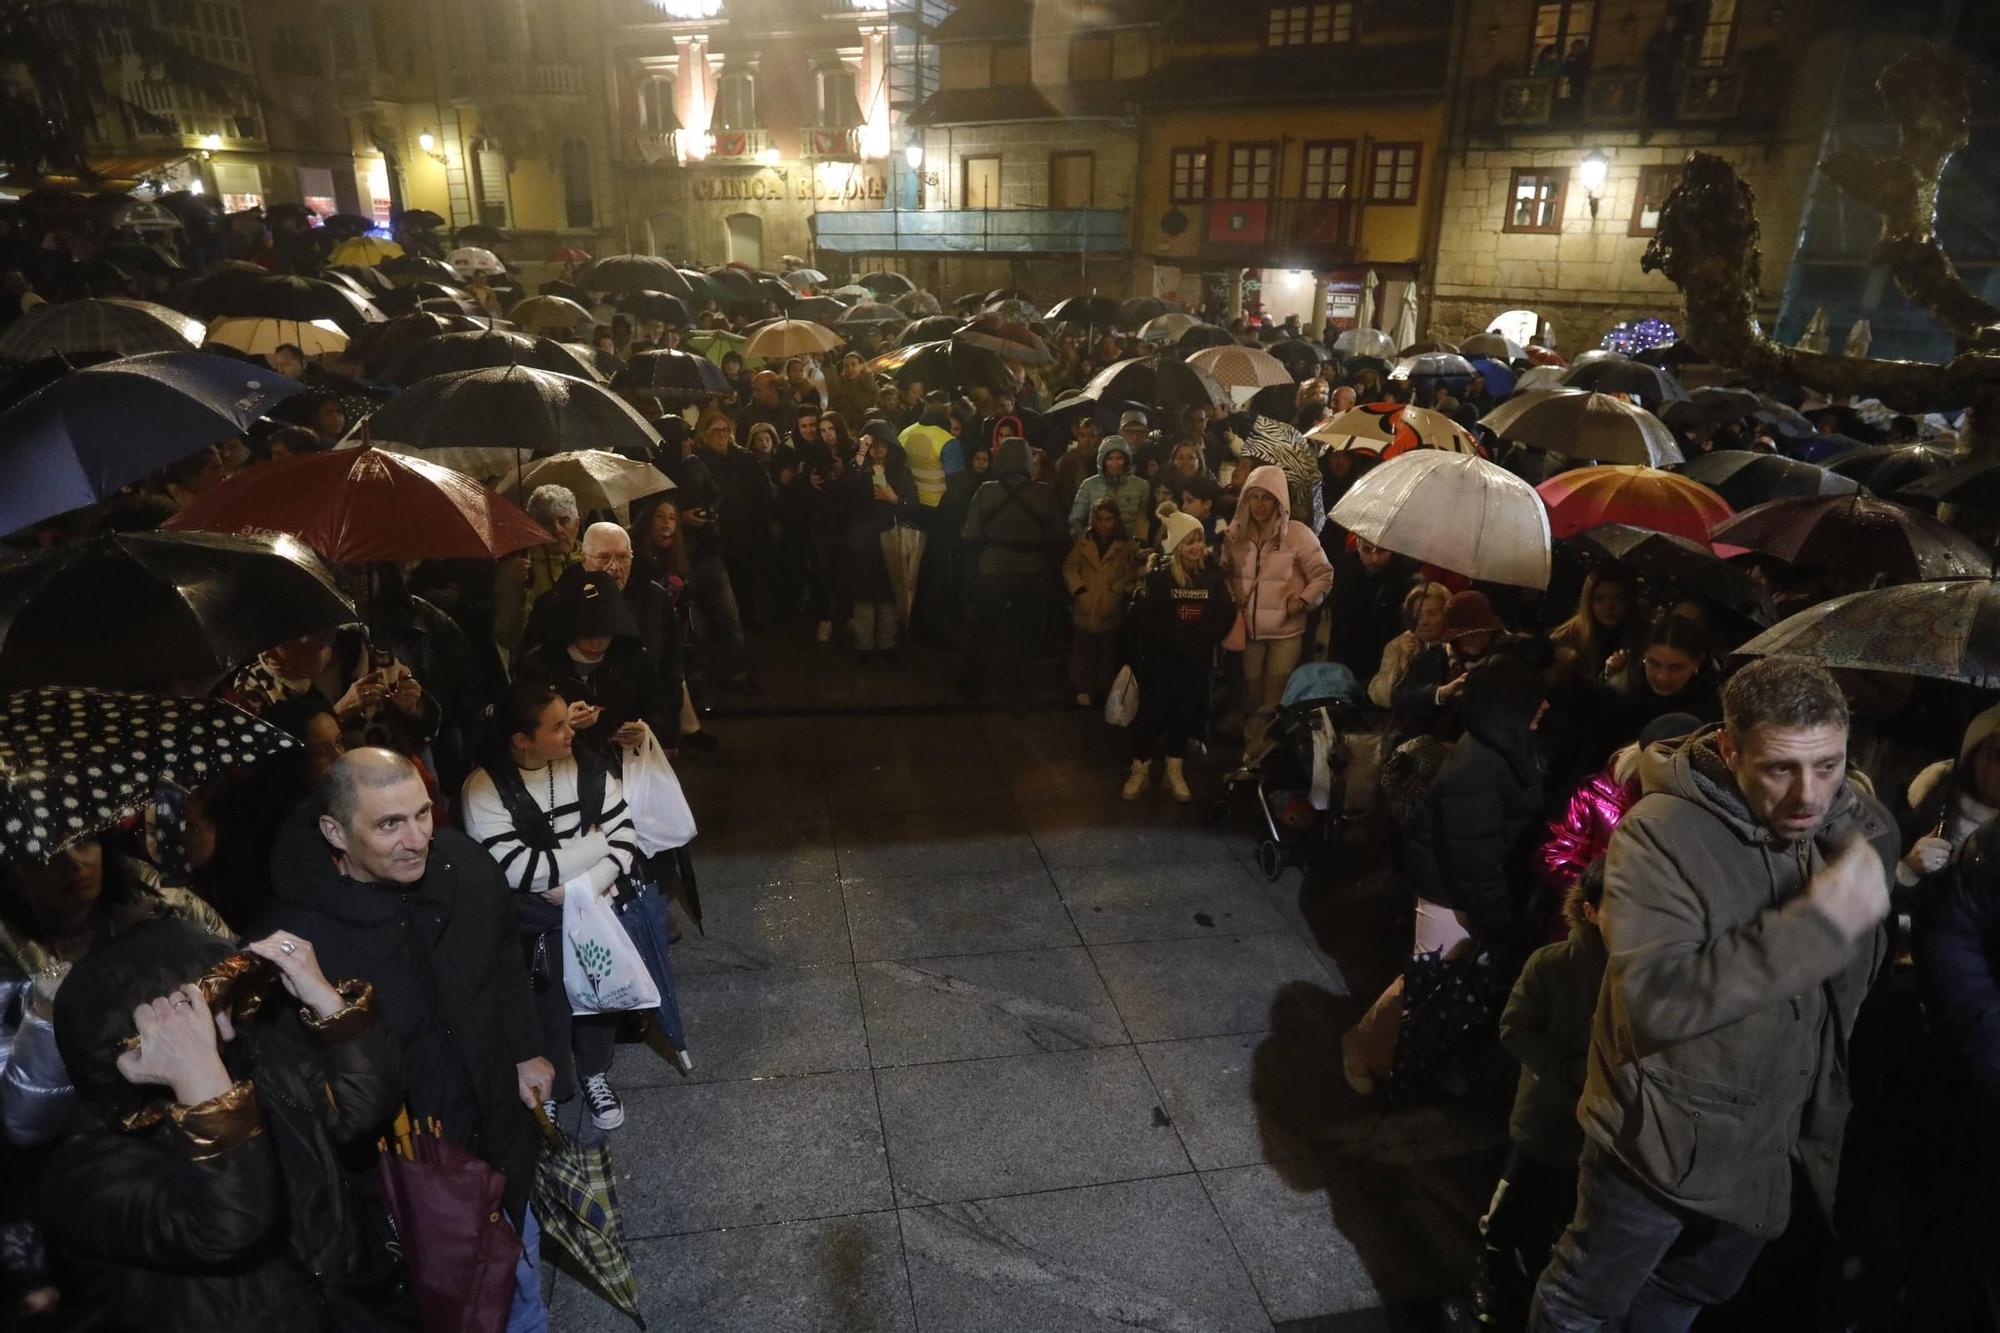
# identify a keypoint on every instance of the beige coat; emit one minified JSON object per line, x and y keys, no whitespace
{"x":1099,"y":584}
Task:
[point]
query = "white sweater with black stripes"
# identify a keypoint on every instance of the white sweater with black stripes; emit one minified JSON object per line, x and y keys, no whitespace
{"x":602,"y":855}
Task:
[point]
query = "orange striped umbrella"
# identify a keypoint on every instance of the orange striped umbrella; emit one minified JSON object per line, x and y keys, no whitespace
{"x":1642,"y":497}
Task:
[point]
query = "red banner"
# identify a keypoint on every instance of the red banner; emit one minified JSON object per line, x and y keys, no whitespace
{"x":1239,"y":221}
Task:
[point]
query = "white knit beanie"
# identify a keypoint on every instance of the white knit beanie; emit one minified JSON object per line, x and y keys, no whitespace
{"x":1175,"y":527}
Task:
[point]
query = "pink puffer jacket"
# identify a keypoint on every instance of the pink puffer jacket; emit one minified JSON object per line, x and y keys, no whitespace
{"x":1263,"y":576}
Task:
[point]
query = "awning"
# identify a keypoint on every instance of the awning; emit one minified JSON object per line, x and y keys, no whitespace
{"x":113,"y":175}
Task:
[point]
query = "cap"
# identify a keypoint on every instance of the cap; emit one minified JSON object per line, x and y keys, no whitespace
{"x":1134,"y":417}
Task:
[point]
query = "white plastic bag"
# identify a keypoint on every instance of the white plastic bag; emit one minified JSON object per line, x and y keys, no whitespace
{"x":603,"y":971}
{"x":660,"y":813}
{"x":1122,"y":704}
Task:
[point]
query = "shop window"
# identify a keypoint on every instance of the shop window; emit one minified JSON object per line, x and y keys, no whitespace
{"x":1309,"y":25}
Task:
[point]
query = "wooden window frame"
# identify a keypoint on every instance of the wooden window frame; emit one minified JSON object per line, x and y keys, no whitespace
{"x":1200,"y":188}
{"x":1564,"y":34}
{"x":1671,"y":175}
{"x":965,"y":178}
{"x":1416,"y":151}
{"x":1277,"y":170}
{"x":1090,"y":192}
{"x":1347,"y":178}
{"x":1334,"y":37}
{"x":1729,"y":28}
{"x":1560,"y":175}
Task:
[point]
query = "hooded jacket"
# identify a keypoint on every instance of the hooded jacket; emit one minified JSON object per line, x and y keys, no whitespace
{"x":1941,"y":799}
{"x":444,"y":958}
{"x":233,"y":1214}
{"x":1127,"y":490}
{"x":1718,"y":1053}
{"x":1546,"y":1026}
{"x":1100,"y":582}
{"x":1957,"y":944}
{"x":1288,"y":562}
{"x":1017,"y":522}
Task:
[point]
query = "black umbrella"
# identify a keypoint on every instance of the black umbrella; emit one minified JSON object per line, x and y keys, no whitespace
{"x":886,"y":284}
{"x":1673,"y":564}
{"x":931,"y":328}
{"x":1163,"y":382}
{"x":1076,"y":403}
{"x":776,"y":292}
{"x":569,"y":291}
{"x":1302,"y":356}
{"x":21,"y":381}
{"x":1677,"y":353}
{"x":485,"y":422}
{"x":1855,"y":534}
{"x":701,"y":287}
{"x":1711,"y":406}
{"x":607,"y":364}
{"x":739,"y":285}
{"x":1973,"y":484}
{"x":135,"y":257}
{"x":159,"y":608}
{"x":1201,"y":337}
{"x":367,"y":277}
{"x":669,"y":310}
{"x":825,"y":310}
{"x":673,"y":377}
{"x":1133,"y":313}
{"x":449,"y":352}
{"x":109,"y":325}
{"x":421,"y":268}
{"x":343,"y":226}
{"x":633,"y":273}
{"x":288,"y":296}
{"x":1652,"y":386}
{"x":1097,"y":312}
{"x":868,"y":312}
{"x":1894,"y":468}
{"x":946,"y":364}
{"x":418,"y":219}
{"x":479,"y":234}
{"x":1745,"y":479}
{"x":76,"y":762}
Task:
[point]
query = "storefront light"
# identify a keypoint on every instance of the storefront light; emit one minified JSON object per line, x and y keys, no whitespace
{"x":768,"y":156}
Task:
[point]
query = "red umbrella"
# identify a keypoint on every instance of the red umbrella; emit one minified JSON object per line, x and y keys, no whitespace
{"x":1858,"y":534}
{"x":1544,"y":356}
{"x":1642,"y":497}
{"x":357,"y":506}
{"x":569,"y":254}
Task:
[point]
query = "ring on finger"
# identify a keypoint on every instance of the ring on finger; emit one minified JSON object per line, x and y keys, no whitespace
{"x":288,"y":946}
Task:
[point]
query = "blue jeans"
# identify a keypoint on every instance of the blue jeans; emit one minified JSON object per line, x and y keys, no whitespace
{"x":1632,"y":1261}
{"x":530,"y":1314}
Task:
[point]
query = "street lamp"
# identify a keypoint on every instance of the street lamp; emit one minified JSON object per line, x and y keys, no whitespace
{"x":1591,"y":173}
{"x":914,"y":155}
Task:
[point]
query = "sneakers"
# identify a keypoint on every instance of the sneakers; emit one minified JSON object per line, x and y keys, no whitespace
{"x":606,"y":1111}
{"x":1177,"y":781}
{"x":1142,"y":777}
{"x":1354,"y":1069}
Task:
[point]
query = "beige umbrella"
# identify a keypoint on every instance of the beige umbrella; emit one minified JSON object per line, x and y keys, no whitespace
{"x":791,"y":337}
{"x":1814,"y":339}
{"x":1406,"y":318}
{"x":1393,"y":429}
{"x":1241,"y":368}
{"x":1859,"y":337}
{"x":1454,"y":511}
{"x":1364,"y":312}
{"x":554,"y":316}
{"x":598,"y":478}
{"x":258,"y":336}
{"x":1580,"y":424}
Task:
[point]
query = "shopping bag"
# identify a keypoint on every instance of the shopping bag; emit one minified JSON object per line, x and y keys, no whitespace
{"x":602,"y":971}
{"x":903,"y":552}
{"x":444,"y":1204}
{"x":660,"y":813}
{"x":1121,"y":706}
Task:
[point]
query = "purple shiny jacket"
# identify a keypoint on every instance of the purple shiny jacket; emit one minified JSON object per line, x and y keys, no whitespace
{"x":1584,"y":831}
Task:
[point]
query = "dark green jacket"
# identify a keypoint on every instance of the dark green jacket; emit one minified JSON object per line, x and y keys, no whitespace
{"x":1546,"y":1026}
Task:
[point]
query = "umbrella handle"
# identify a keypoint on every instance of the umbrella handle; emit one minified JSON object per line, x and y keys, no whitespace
{"x":550,"y":1134}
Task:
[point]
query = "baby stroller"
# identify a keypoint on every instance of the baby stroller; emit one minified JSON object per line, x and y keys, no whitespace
{"x":1300,"y":779}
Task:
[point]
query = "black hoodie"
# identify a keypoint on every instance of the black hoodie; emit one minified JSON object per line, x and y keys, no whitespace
{"x":1019,"y":524}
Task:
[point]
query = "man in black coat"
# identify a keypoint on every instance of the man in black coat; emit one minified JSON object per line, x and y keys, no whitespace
{"x":1365,"y":609}
{"x":1019,"y":530}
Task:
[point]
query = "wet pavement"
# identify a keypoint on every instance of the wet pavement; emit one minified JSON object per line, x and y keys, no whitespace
{"x":979,"y":1045}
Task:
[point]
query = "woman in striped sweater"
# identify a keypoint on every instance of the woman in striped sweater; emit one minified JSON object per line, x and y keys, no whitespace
{"x":556,"y":823}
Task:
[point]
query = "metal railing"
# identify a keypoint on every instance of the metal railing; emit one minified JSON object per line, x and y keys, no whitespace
{"x":971,"y":231}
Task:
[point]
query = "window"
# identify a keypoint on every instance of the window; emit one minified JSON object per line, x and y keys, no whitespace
{"x":1392,"y":173}
{"x":1072,"y":177}
{"x":316,"y":191}
{"x":656,"y":98}
{"x":1010,"y":65}
{"x":576,"y":184}
{"x":1717,"y":30}
{"x":980,"y":182}
{"x":489,"y":172}
{"x":1310,"y":25}
{"x":1190,"y":179}
{"x":736,"y":102}
{"x":241,"y":186}
{"x":1251,"y":168}
{"x":837,"y":103}
{"x":1089,"y":59}
{"x":1535,"y":201}
{"x":1326,"y":166}
{"x":1655,"y":184}
{"x":1561,"y":42}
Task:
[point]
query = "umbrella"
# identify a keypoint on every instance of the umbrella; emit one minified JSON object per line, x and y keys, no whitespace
{"x":77,"y":762}
{"x":1649,"y":384}
{"x":738,"y":285}
{"x":826,"y":310}
{"x":96,"y":429}
{"x":285,"y":296}
{"x":417,"y":219}
{"x":1497,"y":346}
{"x":1814,"y":337}
{"x":1539,"y":377}
{"x":421,"y":268}
{"x":360,"y":506}
{"x":633,"y":273}
{"x":576,"y":1204}
{"x":1894,"y":468}
{"x":1076,"y":403}
{"x":701,"y":287}
{"x":1858,"y":338}
{"x":1014,"y":308}
{"x":486,"y":421}
{"x":1946,"y":630}
{"x":1097,"y":312}
{"x":138,"y":258}
{"x":1596,"y":354}
{"x":669,"y":310}
{"x":674,"y":377}
{"x":1247,"y":368}
{"x":868,"y":312}
{"x":112,"y":324}
{"x":1745,"y":479}
{"x":791,"y":337}
{"x":364,"y":251}
{"x":1005,"y":337}
{"x":156,"y":608}
{"x":1140,"y":309}
{"x":344,"y":276}
{"x":1436,"y":365}
{"x":1498,"y":375}
{"x":800,"y":279}
{"x":1643,"y":497}
{"x":1166,"y":328}
{"x":918,"y":305}
{"x":1584,"y":425}
{"x":1454,"y":511}
{"x":886,"y":284}
{"x":1677,"y":353}
{"x":1710,"y":406}
{"x":141,"y":215}
{"x":1973,"y":484}
{"x":598,"y":479}
{"x":256,"y":336}
{"x":569,"y":254}
{"x":469,"y":260}
{"x":478,"y":233}
{"x":929,"y":329}
{"x":1204,"y":336}
{"x":1673,"y":564}
{"x":1857,"y":534}
{"x":1393,"y":429}
{"x":553,"y":315}
{"x":378,"y":344}
{"x":1365,"y":342}
{"x":718,"y":343}
{"x":1162,"y":381}
{"x":606,"y":364}
{"x":449,"y":352}
{"x":1546,"y":356}
{"x":568,"y":291}
{"x":946,"y":364}
{"x":1816,"y":448}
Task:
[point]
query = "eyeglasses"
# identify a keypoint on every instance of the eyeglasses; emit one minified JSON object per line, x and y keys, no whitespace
{"x":607,"y":561}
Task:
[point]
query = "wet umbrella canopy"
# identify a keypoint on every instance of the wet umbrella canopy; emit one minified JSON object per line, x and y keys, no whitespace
{"x":1673,"y":564}
{"x":633,"y":273}
{"x":122,"y":327}
{"x":1745,"y":479}
{"x":1859,"y":535}
{"x":673,"y":377}
{"x":1945,"y":630}
{"x":487,"y":421}
{"x":946,"y":364}
{"x":450,"y":352}
{"x":1642,"y":497}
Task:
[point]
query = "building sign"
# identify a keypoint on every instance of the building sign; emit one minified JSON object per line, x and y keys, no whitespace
{"x":769,"y":187}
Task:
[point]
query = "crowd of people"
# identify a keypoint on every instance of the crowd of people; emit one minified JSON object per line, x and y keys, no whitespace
{"x":1713,"y":911}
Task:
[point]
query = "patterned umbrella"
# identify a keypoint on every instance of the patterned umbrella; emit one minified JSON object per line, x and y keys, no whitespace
{"x":1249,"y":368}
{"x":259,"y":336}
{"x":1458,"y":513}
{"x":1643,"y":497}
{"x":1014,"y":308}
{"x":1577,"y":424}
{"x":112,"y":324}
{"x":76,"y":762}
{"x":576,"y":1203}
{"x":1857,"y":534}
{"x":1393,"y":429}
{"x":1745,"y":479}
{"x":1946,"y":630}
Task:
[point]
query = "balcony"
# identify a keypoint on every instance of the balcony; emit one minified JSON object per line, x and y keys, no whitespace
{"x":1739,"y":92}
{"x":1286,"y":233}
{"x":516,"y":80}
{"x":362,"y":86}
{"x":833,"y":143}
{"x":971,"y":231}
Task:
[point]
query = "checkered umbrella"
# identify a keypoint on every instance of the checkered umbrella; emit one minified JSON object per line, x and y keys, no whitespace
{"x":75,"y":762}
{"x":576,"y":1203}
{"x":110,"y":325}
{"x":1242,"y":367}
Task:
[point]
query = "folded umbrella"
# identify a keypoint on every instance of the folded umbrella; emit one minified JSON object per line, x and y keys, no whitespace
{"x":553,"y":316}
{"x":158,"y":609}
{"x":1454,"y":511}
{"x":1248,"y":368}
{"x":97,"y":429}
{"x":576,"y":1204}
{"x":484,"y":422}
{"x":1672,"y":565}
{"x":1393,"y":429}
{"x":77,"y":762}
{"x":1578,"y":424}
{"x":450,"y":352}
{"x":1643,"y":497}
{"x":598,"y":478}
{"x":111,"y":324}
{"x":1745,"y":479}
{"x":1857,"y":534}
{"x":674,"y":377}
{"x":360,"y":506}
{"x":261,"y":336}
{"x":781,"y":338}
{"x":1944,"y":630}
{"x":633,"y":273}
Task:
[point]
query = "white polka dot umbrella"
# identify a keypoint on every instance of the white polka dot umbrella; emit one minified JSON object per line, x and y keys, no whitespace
{"x":75,"y":762}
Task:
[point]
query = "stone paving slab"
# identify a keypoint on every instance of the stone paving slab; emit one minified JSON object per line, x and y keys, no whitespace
{"x":931,"y":915}
{"x":1200,"y":988}
{"x":761,"y":1025}
{"x":755,"y":927}
{"x":1172,"y":900}
{"x":978,"y":1006}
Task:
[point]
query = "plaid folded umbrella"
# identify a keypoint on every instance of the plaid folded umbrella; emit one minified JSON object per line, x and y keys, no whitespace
{"x":576,"y":1203}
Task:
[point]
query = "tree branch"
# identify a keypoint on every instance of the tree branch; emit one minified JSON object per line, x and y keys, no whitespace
{"x":1927,"y":96}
